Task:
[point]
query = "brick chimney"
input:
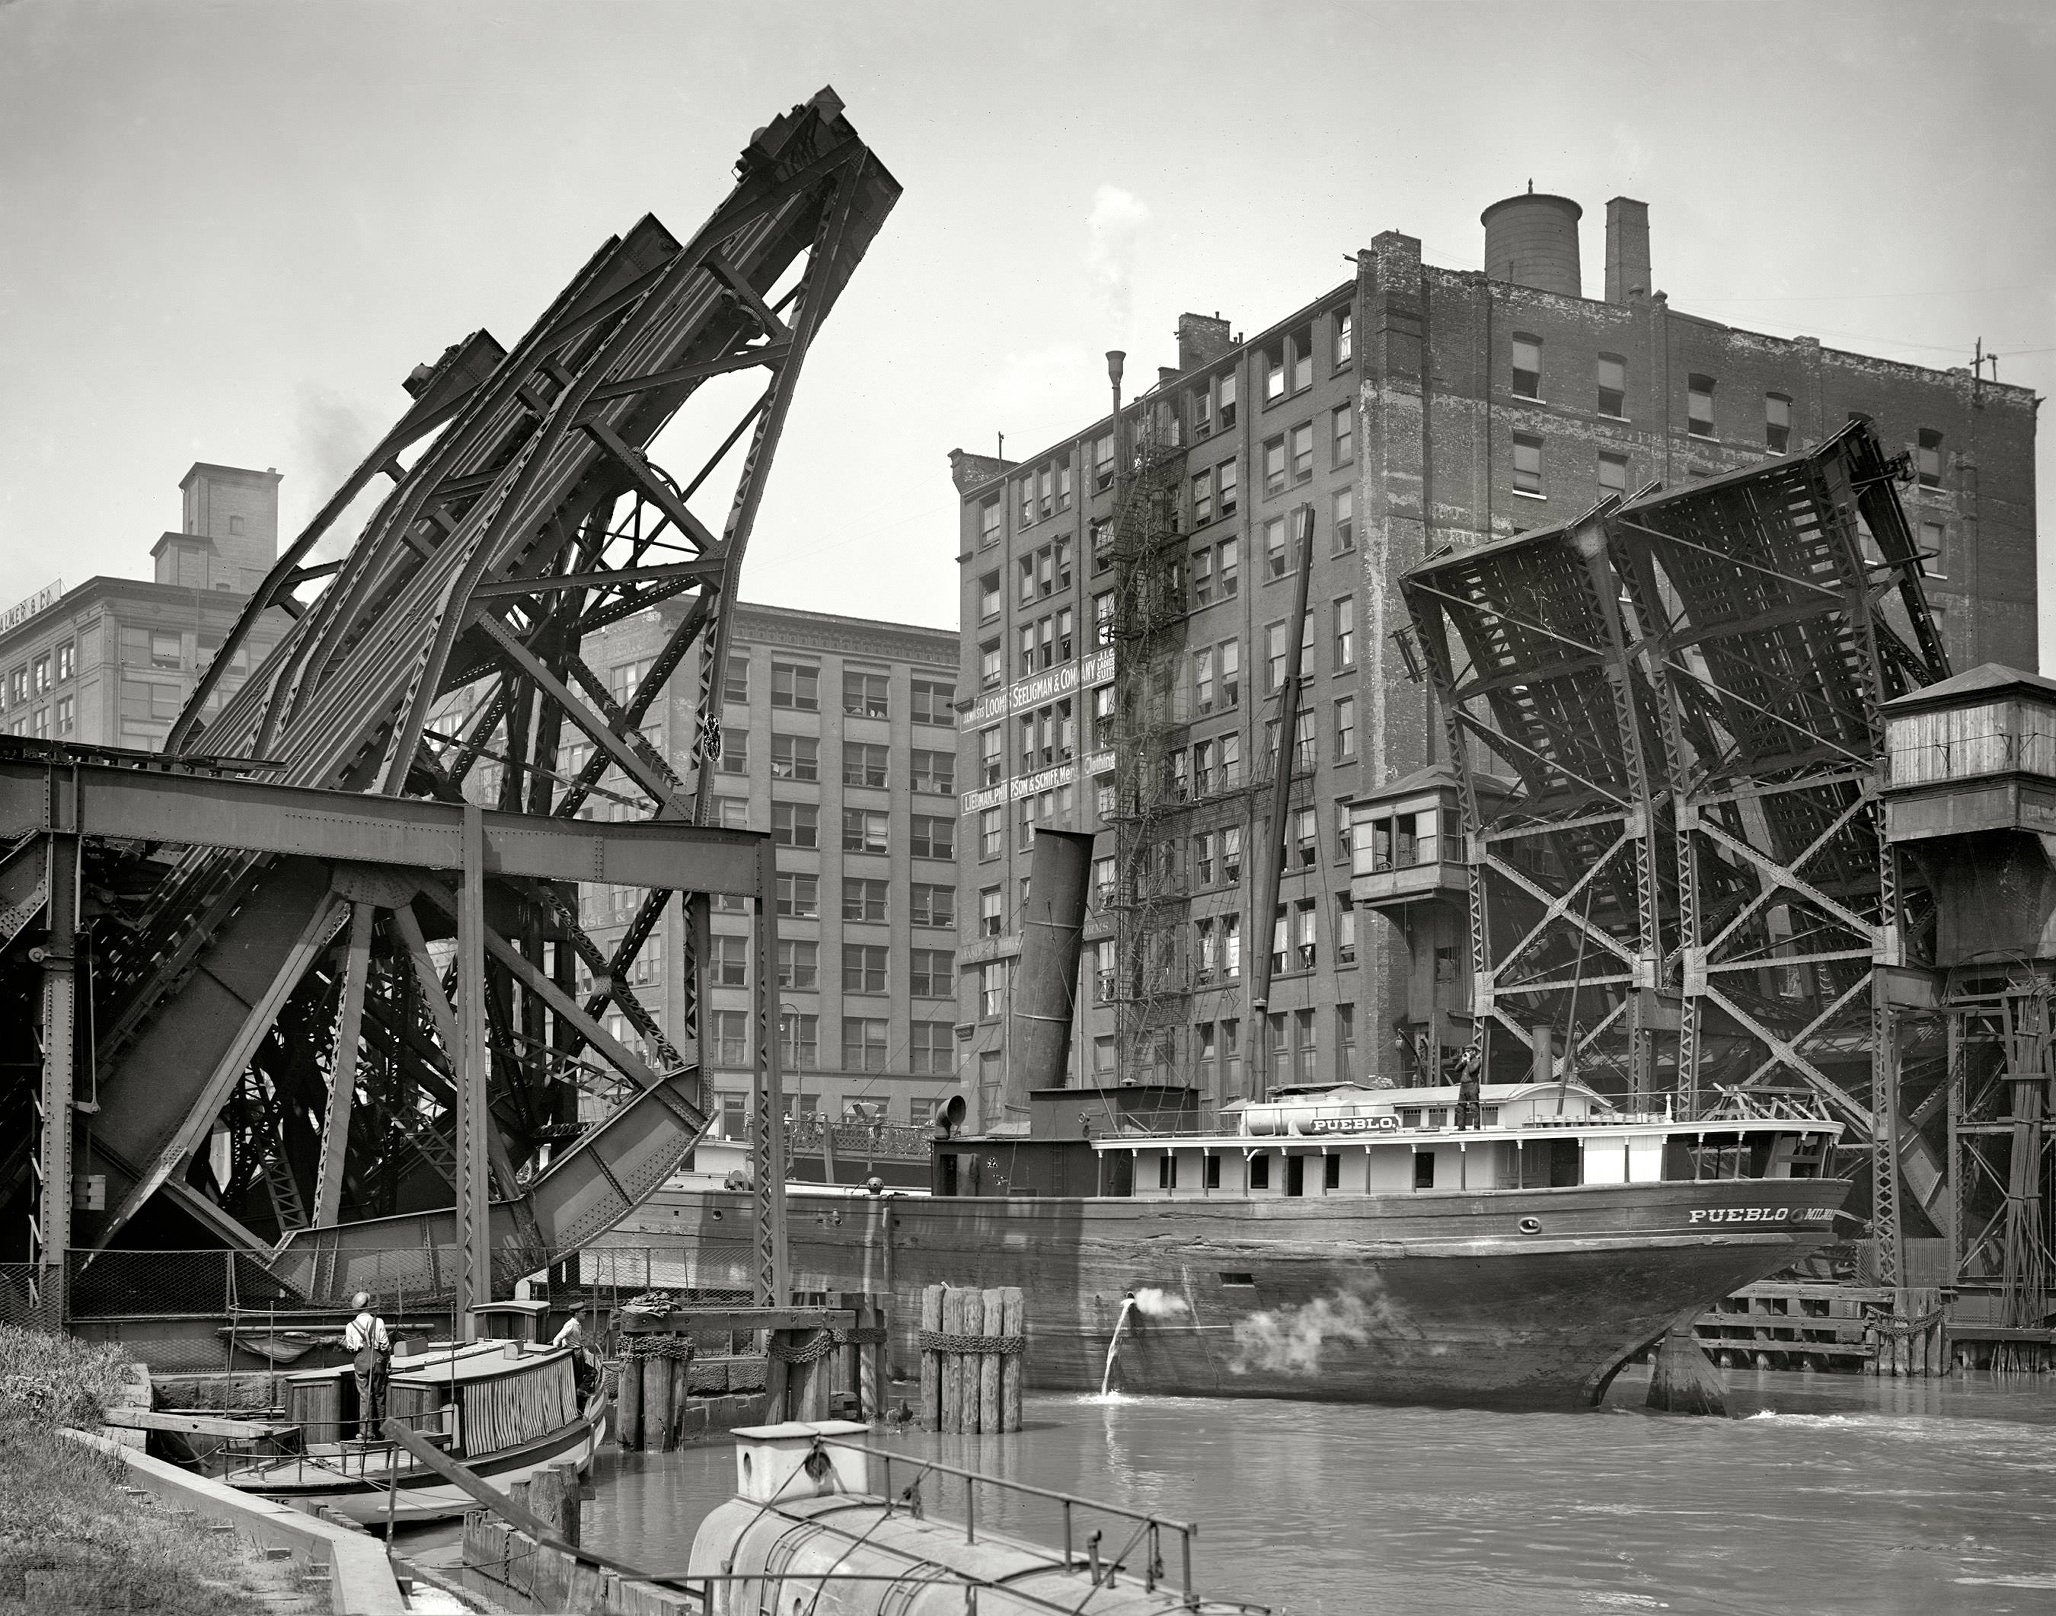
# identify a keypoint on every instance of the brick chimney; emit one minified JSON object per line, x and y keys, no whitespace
{"x":1627,"y":250}
{"x":1202,"y":338}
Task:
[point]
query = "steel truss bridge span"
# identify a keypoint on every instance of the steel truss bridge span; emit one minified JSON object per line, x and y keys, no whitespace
{"x":388,"y":1016}
{"x":1663,"y":721}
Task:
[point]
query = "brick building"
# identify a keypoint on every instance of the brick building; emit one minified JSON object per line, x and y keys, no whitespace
{"x":112,"y":661}
{"x":1414,"y":407}
{"x":838,"y":737}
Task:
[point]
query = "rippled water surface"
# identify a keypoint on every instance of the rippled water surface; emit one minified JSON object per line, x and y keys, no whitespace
{"x":1829,"y":1494}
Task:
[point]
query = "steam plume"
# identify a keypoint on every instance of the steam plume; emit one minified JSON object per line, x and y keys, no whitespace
{"x":1113,"y":230}
{"x":1289,"y":1340}
{"x":1154,"y":1303}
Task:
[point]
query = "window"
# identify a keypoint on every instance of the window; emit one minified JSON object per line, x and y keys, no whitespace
{"x":796,"y":686}
{"x":735,"y":687}
{"x":863,"y":765}
{"x":1027,"y":568}
{"x":1345,"y":932}
{"x":1302,"y":359}
{"x":863,"y":1043}
{"x":935,"y":771}
{"x":39,"y":678}
{"x":1345,"y":729}
{"x":729,"y":966}
{"x":1777,"y":422}
{"x":1699,"y":405}
{"x":862,"y":899}
{"x":1045,"y":503}
{"x":1933,"y":539}
{"x":795,"y":757}
{"x":864,"y":695}
{"x":164,"y":651}
{"x":1103,"y":462}
{"x":1202,"y":498}
{"x":991,"y":912}
{"x":1227,"y":575}
{"x":1306,"y":837}
{"x":1274,"y":658}
{"x":1527,"y":366}
{"x":1100,"y":535}
{"x":1103,"y":716}
{"x":1274,"y":464}
{"x":1103,"y":619}
{"x":1203,"y":679}
{"x":1228,"y":663}
{"x":796,"y":824}
{"x":992,"y":988}
{"x":1424,"y":1169}
{"x":933,"y":905}
{"x":1527,"y":464}
{"x":799,"y":1043}
{"x":931,"y":973}
{"x":928,"y":1055}
{"x":935,"y":703}
{"x":1064,"y":486}
{"x":991,"y":756}
{"x":799,"y":964}
{"x":864,"y":830}
{"x":1343,"y":433}
{"x":799,"y":897}
{"x":1345,"y":338}
{"x":735,"y":751}
{"x":1613,"y":473}
{"x":1344,"y":520}
{"x":1024,"y":662}
{"x":1613,"y":386}
{"x":1231,"y":946}
{"x":67,"y":715}
{"x":863,"y":968}
{"x":67,"y":661}
{"x":1303,"y":451}
{"x":731,"y":1037}
{"x":1274,"y":373}
{"x":932,"y":836}
{"x":988,"y":596}
{"x":1345,"y":632}
{"x":991,"y":833}
{"x":1303,"y":937}
{"x":991,"y":667}
{"x":1277,"y":559}
{"x":1201,"y":399}
{"x":1225,"y":488}
{"x":735,"y":1115}
{"x":1927,"y":459}
{"x":1024,"y":499}
{"x":988,"y":521}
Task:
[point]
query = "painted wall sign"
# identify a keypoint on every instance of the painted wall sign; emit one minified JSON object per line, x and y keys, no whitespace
{"x":1761,"y":1214}
{"x":1042,"y":687}
{"x":22,"y":610}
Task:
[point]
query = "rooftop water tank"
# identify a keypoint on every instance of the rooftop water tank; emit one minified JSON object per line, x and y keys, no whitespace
{"x":1532,"y":240}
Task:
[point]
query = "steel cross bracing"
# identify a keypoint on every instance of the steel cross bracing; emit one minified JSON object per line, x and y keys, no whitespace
{"x":1689,"y":890}
{"x":443,"y":658}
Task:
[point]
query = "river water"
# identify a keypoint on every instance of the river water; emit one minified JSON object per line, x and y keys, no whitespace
{"x":1828,"y":1493}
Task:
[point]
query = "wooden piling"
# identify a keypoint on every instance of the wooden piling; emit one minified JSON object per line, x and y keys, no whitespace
{"x":571,"y":1510}
{"x":777,"y":1377}
{"x":931,"y":1360}
{"x":1014,"y":1326}
{"x":628,"y":1399}
{"x":681,"y":1392}
{"x":952,"y":1364}
{"x":660,"y":1424}
{"x":871,"y":1364}
{"x":993,"y":1315}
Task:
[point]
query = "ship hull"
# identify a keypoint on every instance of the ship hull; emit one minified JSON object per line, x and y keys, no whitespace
{"x":1503,"y":1299}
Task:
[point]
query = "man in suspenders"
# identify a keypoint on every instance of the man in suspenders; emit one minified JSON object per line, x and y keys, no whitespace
{"x":371,"y":1354}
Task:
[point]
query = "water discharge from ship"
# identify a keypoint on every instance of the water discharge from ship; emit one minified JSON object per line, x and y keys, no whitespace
{"x":1152,"y":1302}
{"x":1106,"y":1375}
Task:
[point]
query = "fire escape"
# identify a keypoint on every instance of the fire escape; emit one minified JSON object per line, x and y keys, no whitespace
{"x":1151,"y":799}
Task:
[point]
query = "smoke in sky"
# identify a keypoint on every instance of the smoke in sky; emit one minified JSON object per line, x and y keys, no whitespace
{"x":331,"y":436}
{"x":1289,"y":1340}
{"x":1153,"y":1303}
{"x":1113,"y":233}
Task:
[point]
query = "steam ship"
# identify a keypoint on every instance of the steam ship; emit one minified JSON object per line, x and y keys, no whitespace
{"x":1336,"y":1242}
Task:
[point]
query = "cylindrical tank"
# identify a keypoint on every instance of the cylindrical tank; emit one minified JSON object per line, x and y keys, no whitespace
{"x":1046,"y":981}
{"x":1532,"y":240}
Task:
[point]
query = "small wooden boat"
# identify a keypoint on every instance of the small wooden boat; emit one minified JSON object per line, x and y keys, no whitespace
{"x":506,"y":1408}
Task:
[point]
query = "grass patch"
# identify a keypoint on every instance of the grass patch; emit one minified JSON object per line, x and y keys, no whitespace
{"x":70,"y":1539}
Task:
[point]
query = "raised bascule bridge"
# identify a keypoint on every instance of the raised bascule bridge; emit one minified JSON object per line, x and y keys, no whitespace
{"x":314,"y":984}
{"x":1668,"y":763}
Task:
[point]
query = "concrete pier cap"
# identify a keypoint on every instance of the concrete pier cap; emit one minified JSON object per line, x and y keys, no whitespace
{"x":771,"y":1461}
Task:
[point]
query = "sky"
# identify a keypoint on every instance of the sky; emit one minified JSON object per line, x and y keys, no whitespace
{"x":229,"y":228}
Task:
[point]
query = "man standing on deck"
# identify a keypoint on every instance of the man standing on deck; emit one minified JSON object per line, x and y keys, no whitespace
{"x":1470,"y":1111}
{"x":371,"y":1355}
{"x":584,"y":1376}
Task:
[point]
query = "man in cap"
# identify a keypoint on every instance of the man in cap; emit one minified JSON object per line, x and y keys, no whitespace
{"x":371,"y":1353}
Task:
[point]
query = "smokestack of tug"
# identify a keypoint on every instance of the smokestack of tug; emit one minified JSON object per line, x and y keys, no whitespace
{"x":1046,"y":979}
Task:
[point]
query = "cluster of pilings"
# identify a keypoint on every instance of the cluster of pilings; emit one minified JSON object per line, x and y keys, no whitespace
{"x":973,"y":1354}
{"x":1913,"y":1339}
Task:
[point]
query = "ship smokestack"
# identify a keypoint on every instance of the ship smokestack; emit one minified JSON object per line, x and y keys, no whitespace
{"x":1046,"y":980}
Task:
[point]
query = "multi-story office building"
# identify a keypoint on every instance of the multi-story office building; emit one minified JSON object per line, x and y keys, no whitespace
{"x":1413,"y":408}
{"x":839,"y":738}
{"x":112,"y":661}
